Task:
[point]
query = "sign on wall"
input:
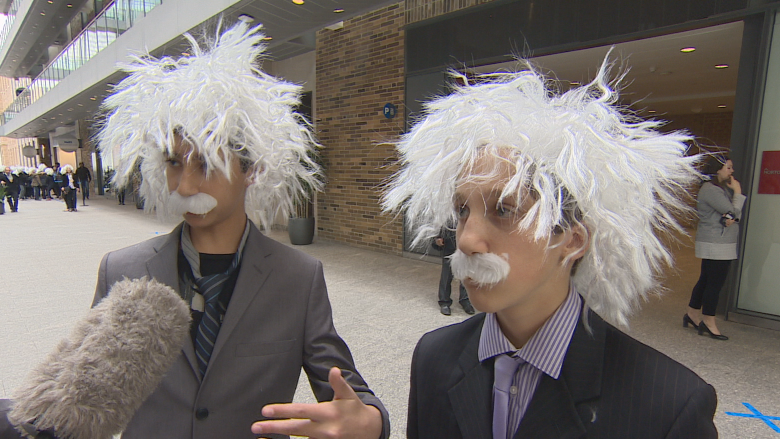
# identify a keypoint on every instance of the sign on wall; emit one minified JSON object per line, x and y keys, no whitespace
{"x":769,"y":181}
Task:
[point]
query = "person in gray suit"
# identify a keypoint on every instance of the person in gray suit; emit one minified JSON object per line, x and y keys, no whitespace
{"x":219,"y":144}
{"x":559,"y":198}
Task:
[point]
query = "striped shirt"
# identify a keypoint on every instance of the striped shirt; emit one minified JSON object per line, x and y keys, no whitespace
{"x":543,"y":353}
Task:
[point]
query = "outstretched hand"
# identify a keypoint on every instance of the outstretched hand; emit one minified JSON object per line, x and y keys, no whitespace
{"x":344,"y":417}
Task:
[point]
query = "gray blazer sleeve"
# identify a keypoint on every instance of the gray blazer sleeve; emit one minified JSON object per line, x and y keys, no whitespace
{"x":324,"y":348}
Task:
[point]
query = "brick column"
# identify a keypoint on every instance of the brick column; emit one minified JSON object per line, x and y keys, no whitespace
{"x":360,"y":68}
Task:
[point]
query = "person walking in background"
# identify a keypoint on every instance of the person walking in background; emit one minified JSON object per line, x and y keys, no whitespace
{"x":47,"y":183}
{"x":36,"y":183}
{"x":446,"y":243}
{"x":57,"y":176}
{"x":719,"y":205}
{"x":69,"y":188}
{"x":85,"y":178}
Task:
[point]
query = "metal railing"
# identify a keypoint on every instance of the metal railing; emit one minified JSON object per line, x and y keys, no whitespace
{"x":112,"y":22}
{"x":9,"y":21}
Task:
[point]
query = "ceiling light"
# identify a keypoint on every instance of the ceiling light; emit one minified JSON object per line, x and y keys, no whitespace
{"x":575,"y":83}
{"x":69,"y":5}
{"x":92,"y":98}
{"x":721,"y":106}
{"x":185,"y":54}
{"x":651,"y":111}
{"x":246,"y":18}
{"x":687,"y":49}
{"x":43,"y":13}
{"x":722,"y":66}
{"x":338,"y":10}
{"x":298,"y":2}
{"x":51,"y":2}
{"x":268,"y":38}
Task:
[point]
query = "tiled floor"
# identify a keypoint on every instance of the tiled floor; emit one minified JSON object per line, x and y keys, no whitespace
{"x":382,"y":304}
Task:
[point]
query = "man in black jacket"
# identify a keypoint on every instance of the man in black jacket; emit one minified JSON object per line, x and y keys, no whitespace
{"x":84,"y":178}
{"x":446,"y":243}
{"x":11,"y":183}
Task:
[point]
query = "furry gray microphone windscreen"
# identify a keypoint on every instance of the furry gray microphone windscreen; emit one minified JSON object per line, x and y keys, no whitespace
{"x":90,"y":386}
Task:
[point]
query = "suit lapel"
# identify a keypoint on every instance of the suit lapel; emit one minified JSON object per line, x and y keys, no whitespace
{"x":472,"y":396}
{"x":557,"y":409}
{"x":164,"y":266}
{"x":251,"y":278}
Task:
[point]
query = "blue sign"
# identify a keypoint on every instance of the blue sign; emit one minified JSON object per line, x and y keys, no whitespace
{"x":390,"y":111}
{"x":758,"y":415}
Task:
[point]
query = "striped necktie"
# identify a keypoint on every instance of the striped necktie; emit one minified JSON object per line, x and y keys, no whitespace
{"x":505,"y":369}
{"x":210,"y":287}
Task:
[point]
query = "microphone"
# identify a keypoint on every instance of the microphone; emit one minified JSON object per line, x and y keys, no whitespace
{"x":90,"y":386}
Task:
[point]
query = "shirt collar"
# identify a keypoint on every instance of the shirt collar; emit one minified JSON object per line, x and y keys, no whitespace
{"x":192,"y":255}
{"x":547,"y":347}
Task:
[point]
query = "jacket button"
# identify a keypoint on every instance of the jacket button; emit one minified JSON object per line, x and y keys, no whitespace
{"x":201,"y":414}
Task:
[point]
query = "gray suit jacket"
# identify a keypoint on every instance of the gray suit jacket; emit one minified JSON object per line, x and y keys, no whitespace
{"x":279,"y":320}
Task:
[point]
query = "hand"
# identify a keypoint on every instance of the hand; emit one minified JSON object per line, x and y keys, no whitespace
{"x":729,"y":222}
{"x":734,"y":185}
{"x":344,"y":417}
{"x":440,"y":242}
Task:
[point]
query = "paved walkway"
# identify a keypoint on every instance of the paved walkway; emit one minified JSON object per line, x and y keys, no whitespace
{"x":382,"y":305}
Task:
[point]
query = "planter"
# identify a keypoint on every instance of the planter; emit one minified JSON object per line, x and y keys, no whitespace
{"x":301,"y":230}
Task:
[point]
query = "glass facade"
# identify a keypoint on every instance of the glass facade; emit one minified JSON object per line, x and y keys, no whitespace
{"x":102,"y":31}
{"x":10,"y":18}
{"x":760,"y":277}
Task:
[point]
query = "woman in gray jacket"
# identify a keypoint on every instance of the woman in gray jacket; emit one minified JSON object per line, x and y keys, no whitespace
{"x":719,"y":205}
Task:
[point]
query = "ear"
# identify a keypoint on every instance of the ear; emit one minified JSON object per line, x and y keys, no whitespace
{"x":576,"y":243}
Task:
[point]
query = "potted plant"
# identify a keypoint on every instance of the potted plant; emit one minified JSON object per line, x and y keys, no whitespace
{"x":301,"y":224}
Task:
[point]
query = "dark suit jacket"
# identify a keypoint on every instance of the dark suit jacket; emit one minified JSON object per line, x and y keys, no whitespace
{"x":611,"y":386}
{"x":278,"y":321}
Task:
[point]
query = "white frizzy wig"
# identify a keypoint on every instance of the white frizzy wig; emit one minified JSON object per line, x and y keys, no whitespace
{"x":579,"y":159}
{"x":220,"y":101}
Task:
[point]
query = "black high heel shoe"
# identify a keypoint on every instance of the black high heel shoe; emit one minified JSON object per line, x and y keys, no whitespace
{"x":688,"y":320}
{"x":704,"y":328}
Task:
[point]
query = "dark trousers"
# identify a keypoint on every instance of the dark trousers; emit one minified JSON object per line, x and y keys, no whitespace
{"x":13,"y":200}
{"x":445,"y":285}
{"x":120,"y":195}
{"x":705,"y":294}
{"x":70,"y":198}
{"x":37,"y":192}
{"x":84,"y":186}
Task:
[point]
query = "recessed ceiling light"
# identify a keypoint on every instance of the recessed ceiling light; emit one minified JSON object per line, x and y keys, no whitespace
{"x":185,"y":54}
{"x":298,"y":2}
{"x":721,"y":106}
{"x":268,"y":38}
{"x":92,"y":98}
{"x":722,"y":66}
{"x":246,"y":18}
{"x":575,"y":83}
{"x":651,"y":111}
{"x":687,"y":49}
{"x":69,"y":5}
{"x":338,"y":10}
{"x":43,"y":13}
{"x":51,"y":2}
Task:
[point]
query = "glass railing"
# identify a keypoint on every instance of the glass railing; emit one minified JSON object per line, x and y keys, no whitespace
{"x":112,"y":22}
{"x":10,"y":17}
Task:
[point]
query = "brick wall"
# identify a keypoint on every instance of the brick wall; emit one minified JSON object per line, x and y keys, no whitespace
{"x":360,"y":68}
{"x":418,"y":10}
{"x":709,"y":128}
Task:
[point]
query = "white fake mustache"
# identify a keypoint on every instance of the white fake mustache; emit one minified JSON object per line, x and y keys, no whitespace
{"x":198,"y":204}
{"x":484,"y":269}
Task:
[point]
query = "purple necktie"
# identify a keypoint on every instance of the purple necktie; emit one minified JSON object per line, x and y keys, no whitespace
{"x":505,"y":368}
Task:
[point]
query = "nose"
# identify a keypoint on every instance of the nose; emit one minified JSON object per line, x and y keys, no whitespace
{"x":189,"y":180}
{"x":472,"y":235}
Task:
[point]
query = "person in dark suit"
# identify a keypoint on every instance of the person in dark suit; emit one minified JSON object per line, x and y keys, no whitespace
{"x":559,"y":199}
{"x":12,"y":185}
{"x":218,"y":159}
{"x":85,"y":178}
{"x":446,"y":243}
